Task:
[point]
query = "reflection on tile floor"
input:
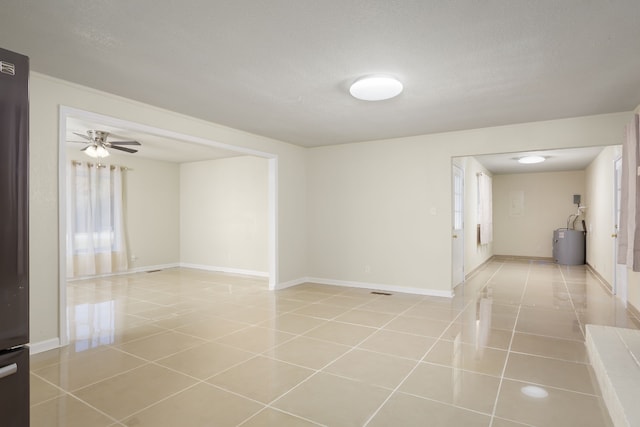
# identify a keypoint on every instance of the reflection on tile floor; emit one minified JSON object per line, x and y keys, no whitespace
{"x":195,"y":348}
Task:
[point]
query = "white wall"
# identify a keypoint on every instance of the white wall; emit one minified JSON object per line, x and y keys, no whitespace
{"x":548,"y":201}
{"x":599,"y":200}
{"x":371,"y":203}
{"x":46,"y":96}
{"x":152,"y":209}
{"x":223,"y":219}
{"x":474,"y":254}
{"x":367,"y":216}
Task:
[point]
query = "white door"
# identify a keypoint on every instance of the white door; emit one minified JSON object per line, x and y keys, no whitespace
{"x":620,"y":270}
{"x":457,"y":233}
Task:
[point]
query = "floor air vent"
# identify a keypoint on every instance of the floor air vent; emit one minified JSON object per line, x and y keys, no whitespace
{"x":153,"y":271}
{"x":380,"y":293}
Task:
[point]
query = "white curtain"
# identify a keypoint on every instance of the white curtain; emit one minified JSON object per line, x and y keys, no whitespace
{"x":485,"y":208}
{"x":629,"y":233}
{"x":95,"y":220}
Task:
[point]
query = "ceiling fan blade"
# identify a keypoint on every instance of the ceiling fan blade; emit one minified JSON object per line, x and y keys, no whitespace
{"x":83,"y":136}
{"x":124,"y":143}
{"x":86,"y":147}
{"x":80,"y":142}
{"x":128,"y":150}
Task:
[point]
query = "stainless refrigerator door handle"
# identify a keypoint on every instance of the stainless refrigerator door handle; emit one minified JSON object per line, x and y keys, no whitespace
{"x":8,"y":370}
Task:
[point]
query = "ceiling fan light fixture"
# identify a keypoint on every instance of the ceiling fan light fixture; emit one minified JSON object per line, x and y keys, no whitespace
{"x":376,"y":88}
{"x":99,"y":147}
{"x":96,"y":151}
{"x":530,"y":160}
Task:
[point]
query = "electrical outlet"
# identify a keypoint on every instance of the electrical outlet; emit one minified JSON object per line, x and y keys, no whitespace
{"x":367,"y":268}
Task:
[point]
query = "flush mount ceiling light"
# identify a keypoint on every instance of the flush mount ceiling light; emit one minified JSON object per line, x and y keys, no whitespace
{"x":529,"y":160}
{"x":376,"y":88}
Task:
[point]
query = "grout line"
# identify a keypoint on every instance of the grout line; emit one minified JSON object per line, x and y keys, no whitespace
{"x":575,"y":312}
{"x":73,"y":396}
{"x":354,"y":347}
{"x":541,"y":356}
{"x":279,"y":410}
{"x":158,"y":401}
{"x":506,"y":360}
{"x":395,"y":390}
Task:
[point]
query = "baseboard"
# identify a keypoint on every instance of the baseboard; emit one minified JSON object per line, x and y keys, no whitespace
{"x":41,"y":346}
{"x":602,"y":280}
{"x":478,"y":268}
{"x":153,"y":268}
{"x":290,"y":283}
{"x":522,"y":258}
{"x":225,"y":269}
{"x":633,"y":310}
{"x":143,"y":269}
{"x":382,"y":287}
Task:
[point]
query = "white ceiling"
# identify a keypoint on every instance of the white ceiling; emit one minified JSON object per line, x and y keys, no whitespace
{"x":153,"y":146}
{"x":556,"y":160}
{"x":281,"y":68}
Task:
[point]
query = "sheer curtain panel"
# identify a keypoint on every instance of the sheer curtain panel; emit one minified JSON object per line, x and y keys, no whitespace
{"x":95,"y":220}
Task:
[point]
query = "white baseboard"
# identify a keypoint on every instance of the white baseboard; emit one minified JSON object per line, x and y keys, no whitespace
{"x":366,"y":285}
{"x":225,"y":269}
{"x":41,"y":346}
{"x":290,"y":283}
{"x":129,"y":271}
{"x":146,"y":268}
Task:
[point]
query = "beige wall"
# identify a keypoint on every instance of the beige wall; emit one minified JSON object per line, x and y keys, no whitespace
{"x":46,"y":97}
{"x":387,"y":204}
{"x":223,"y":219}
{"x":152,"y":209}
{"x":548,"y":201}
{"x":368,"y":218}
{"x":599,"y":201}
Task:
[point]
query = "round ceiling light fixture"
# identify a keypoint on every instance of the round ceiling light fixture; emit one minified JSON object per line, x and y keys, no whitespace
{"x":376,"y":88}
{"x":530,"y":160}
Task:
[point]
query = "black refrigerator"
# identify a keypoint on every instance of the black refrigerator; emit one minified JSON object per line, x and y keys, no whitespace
{"x":14,"y":238}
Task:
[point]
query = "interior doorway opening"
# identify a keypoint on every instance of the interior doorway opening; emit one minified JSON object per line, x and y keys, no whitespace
{"x":190,"y":143}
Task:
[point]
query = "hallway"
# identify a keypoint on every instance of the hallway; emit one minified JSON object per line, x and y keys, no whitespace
{"x":196,"y":348}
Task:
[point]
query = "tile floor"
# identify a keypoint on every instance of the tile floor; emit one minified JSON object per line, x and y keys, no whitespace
{"x":191,"y":348}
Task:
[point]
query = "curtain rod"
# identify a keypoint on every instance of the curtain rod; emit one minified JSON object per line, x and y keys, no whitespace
{"x":100,"y":165}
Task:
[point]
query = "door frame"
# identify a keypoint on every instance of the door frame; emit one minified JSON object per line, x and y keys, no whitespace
{"x":454,"y":170}
{"x":620,"y":280}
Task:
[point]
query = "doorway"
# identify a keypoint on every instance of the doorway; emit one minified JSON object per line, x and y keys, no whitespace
{"x":67,"y":113}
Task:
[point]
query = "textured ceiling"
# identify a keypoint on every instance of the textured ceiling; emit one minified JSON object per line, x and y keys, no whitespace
{"x":281,"y":68}
{"x":573,"y":159}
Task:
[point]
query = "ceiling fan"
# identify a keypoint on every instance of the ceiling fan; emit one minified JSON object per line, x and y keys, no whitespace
{"x":97,"y":144}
